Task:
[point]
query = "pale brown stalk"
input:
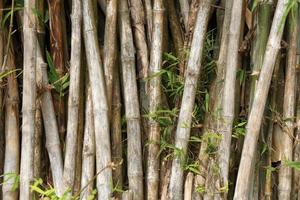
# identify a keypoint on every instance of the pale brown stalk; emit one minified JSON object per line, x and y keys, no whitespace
{"x":155,"y":101}
{"x":12,"y":132}
{"x":184,"y":8}
{"x":99,"y":99}
{"x":259,"y":102}
{"x":116,"y":132}
{"x":228,"y":106}
{"x":188,"y":99}
{"x":188,"y":186}
{"x":88,"y":152}
{"x":57,"y":49}
{"x":132,"y":112}
{"x":110,"y":48}
{"x":149,"y":19}
{"x":285,"y":172}
{"x":29,"y":100}
{"x":73,"y":101}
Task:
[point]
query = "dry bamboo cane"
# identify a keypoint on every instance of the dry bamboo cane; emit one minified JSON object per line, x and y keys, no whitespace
{"x":140,"y":41}
{"x":134,"y":149}
{"x":29,"y":98}
{"x":37,"y":159}
{"x":110,"y":46}
{"x":184,"y":8}
{"x":100,"y":105}
{"x":12,"y":132}
{"x":57,"y":38}
{"x":271,"y":128}
{"x":285,"y":172}
{"x":2,"y":131}
{"x":73,"y":102}
{"x":127,"y":195}
{"x":137,"y":16}
{"x":259,"y":102}
{"x":188,"y":99}
{"x":51,"y":130}
{"x":188,"y":186}
{"x":227,"y":113}
{"x":103,"y":5}
{"x":155,"y":101}
{"x":149,"y":19}
{"x":221,"y":64}
{"x":262,"y":24}
{"x":88,"y":154}
{"x":116,"y":131}
{"x":175,"y":27}
{"x":296,"y":173}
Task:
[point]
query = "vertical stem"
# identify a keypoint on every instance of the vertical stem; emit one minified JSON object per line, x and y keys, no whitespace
{"x":110,"y":47}
{"x":88,"y":153}
{"x":12,"y":137}
{"x":285,"y":172}
{"x":56,"y":15}
{"x":155,"y":100}
{"x":116,"y":132}
{"x":259,"y":102}
{"x":29,"y":99}
{"x":134,"y":147}
{"x":99,"y":99}
{"x":227,"y":115}
{"x":74,"y":92}
{"x":188,"y":100}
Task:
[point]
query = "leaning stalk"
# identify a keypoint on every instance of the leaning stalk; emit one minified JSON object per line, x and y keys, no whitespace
{"x":259,"y":102}
{"x":188,"y":99}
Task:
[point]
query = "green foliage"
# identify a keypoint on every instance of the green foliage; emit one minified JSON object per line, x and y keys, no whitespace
{"x":11,"y":176}
{"x":6,"y":73}
{"x":293,"y":164}
{"x":61,"y":85}
{"x":8,"y":13}
{"x":239,"y":129}
{"x":49,"y":192}
{"x":44,"y":18}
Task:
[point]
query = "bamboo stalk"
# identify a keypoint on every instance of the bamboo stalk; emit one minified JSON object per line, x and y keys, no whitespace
{"x":51,"y":130}
{"x":184,"y":8}
{"x":132,"y":112}
{"x":80,"y":130}
{"x":2,"y":132}
{"x":116,"y":132}
{"x":12,"y":132}
{"x":149,"y":19}
{"x":155,"y":101}
{"x":217,"y":105}
{"x":188,"y":186}
{"x":29,"y":98}
{"x":176,"y":31}
{"x":100,"y":108}
{"x":88,"y":154}
{"x":285,"y":172}
{"x":188,"y":99}
{"x":259,"y":101}
{"x":56,"y":21}
{"x":140,"y":42}
{"x":271,"y":129}
{"x":103,"y":5}
{"x":228,"y":106}
{"x":73,"y":102}
{"x":127,"y":195}
{"x":110,"y":46}
{"x":263,"y":26}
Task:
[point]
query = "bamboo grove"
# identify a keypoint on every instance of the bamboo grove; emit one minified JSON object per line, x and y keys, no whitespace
{"x":149,"y":99}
